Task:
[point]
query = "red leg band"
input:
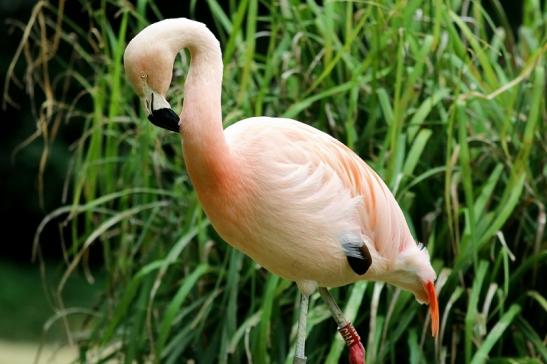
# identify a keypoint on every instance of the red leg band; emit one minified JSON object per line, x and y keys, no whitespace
{"x":355,"y":347}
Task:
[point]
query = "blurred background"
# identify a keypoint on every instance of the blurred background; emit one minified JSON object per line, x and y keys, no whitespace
{"x":106,"y":254}
{"x":32,"y":185}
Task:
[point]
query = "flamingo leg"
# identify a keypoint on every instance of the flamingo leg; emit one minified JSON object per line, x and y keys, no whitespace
{"x":300,"y":356}
{"x":335,"y":311}
{"x":345,"y":328}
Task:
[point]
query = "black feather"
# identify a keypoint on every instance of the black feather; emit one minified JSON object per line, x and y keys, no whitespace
{"x":358,"y":256}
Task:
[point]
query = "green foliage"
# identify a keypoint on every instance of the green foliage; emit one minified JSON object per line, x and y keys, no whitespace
{"x":440,"y":97}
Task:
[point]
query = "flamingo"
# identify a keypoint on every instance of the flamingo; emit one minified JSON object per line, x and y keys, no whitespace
{"x":294,"y":199}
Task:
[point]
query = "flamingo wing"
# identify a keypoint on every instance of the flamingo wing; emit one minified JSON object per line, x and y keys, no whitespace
{"x":310,"y":186}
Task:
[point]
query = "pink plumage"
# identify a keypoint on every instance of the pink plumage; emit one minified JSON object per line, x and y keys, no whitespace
{"x":304,"y":193}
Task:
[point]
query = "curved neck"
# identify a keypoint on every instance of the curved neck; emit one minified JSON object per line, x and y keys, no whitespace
{"x":205,"y":150}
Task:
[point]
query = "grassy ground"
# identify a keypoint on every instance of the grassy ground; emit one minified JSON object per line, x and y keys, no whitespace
{"x":25,"y":352}
{"x":30,"y":323}
{"x":440,"y":97}
{"x":25,"y":305}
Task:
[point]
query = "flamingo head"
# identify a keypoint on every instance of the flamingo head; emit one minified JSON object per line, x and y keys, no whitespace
{"x":413,"y":272}
{"x":148,"y":65}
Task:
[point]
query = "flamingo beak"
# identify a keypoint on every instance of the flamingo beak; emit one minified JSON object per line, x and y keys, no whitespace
{"x":433,"y":307}
{"x":159,"y":111}
{"x":165,"y":118}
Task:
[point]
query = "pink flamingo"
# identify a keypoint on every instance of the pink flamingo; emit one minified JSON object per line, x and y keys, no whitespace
{"x":294,"y":199}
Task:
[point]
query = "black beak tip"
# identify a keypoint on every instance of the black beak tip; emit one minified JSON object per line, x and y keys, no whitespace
{"x":166,"y":119}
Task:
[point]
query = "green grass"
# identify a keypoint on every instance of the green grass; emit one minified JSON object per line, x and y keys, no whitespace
{"x":440,"y":97}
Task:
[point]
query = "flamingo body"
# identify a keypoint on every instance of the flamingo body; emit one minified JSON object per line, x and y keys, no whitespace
{"x":300,"y":195}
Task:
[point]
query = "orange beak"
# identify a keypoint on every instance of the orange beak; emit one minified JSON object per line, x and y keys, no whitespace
{"x":433,"y":307}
